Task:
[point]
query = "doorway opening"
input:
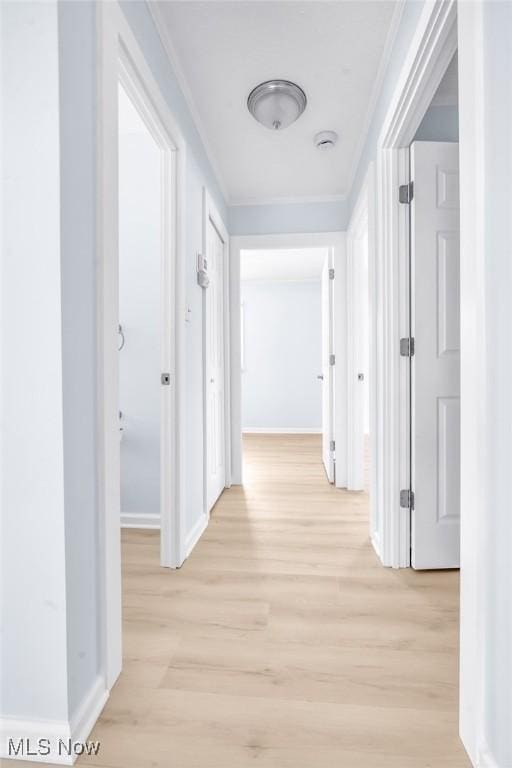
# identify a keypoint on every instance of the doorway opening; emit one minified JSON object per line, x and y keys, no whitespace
{"x":286,"y":342}
{"x":434,"y":335}
{"x":140,"y":342}
{"x":146,"y":316}
{"x":140,"y":318}
{"x":417,"y":85}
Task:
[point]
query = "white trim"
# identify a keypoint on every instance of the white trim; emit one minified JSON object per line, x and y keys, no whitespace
{"x":486,"y":758}
{"x":195,"y":534}
{"x":282,"y":431}
{"x":431,"y":51}
{"x":375,"y":540}
{"x":164,"y":34}
{"x":84,"y":719}
{"x":134,"y":520}
{"x":335,"y":241}
{"x":116,"y":41}
{"x":77,"y":730}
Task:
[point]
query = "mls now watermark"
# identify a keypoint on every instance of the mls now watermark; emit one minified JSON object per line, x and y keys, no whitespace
{"x":55,"y":747}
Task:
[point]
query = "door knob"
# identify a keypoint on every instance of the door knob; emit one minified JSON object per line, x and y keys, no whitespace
{"x":320,"y":376}
{"x":360,"y":376}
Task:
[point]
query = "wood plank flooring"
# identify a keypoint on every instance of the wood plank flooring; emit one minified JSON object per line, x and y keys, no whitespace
{"x":282,"y":642}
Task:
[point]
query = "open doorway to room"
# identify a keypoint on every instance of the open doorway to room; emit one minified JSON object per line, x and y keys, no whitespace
{"x":140,"y":318}
{"x":281,"y":340}
{"x":286,"y":343}
{"x":288,"y":358}
{"x":140,"y":234}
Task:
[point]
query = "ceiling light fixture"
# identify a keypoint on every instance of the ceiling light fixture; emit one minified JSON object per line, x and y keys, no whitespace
{"x":276,"y":104}
{"x":325,"y":140}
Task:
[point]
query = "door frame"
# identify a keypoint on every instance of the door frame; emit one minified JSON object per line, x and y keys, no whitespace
{"x":330,"y":240}
{"x":212,"y":215}
{"x":432,"y":48}
{"x":119,"y":55}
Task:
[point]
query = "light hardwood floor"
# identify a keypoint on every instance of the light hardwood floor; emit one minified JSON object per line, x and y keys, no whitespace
{"x":282,"y":642}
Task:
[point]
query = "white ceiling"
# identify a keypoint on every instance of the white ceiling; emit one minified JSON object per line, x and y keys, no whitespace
{"x":297,"y":264}
{"x":333,"y":50}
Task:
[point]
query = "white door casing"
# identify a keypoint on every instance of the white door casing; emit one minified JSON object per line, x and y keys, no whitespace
{"x":327,"y":369}
{"x":435,"y":365}
{"x":215,"y":367}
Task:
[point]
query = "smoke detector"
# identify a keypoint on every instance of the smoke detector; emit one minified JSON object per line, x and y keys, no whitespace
{"x":325,"y":140}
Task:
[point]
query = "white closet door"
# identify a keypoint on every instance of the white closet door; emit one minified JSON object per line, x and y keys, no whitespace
{"x":435,"y":371}
{"x":214,"y":360}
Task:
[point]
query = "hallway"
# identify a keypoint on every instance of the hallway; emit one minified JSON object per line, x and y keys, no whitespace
{"x":282,"y":642}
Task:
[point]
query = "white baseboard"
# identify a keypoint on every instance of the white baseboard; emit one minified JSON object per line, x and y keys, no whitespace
{"x":84,"y":719}
{"x":282,"y":430}
{"x":375,"y":540}
{"x":485,"y":758}
{"x":134,"y":520}
{"x":195,"y":534}
{"x":49,"y":741}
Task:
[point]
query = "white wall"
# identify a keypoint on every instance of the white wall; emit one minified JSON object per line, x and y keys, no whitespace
{"x":282,"y":340}
{"x":139,"y":314}
{"x":49,"y":409}
{"x":485,"y":77}
{"x":77,"y":93}
{"x":271,"y":219}
{"x":32,"y":472}
{"x":440,"y":123}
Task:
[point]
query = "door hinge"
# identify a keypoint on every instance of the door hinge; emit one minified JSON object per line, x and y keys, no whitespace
{"x":405,"y":192}
{"x":332,"y":359}
{"x":407,"y":499}
{"x":407,"y":346}
{"x":332,"y":446}
{"x":331,"y":273}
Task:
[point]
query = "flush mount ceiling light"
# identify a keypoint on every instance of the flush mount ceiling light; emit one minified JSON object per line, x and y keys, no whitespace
{"x":325,"y":140}
{"x":276,"y":104}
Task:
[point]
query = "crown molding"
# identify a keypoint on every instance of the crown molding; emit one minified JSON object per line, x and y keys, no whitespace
{"x":377,"y":86}
{"x":170,"y":50}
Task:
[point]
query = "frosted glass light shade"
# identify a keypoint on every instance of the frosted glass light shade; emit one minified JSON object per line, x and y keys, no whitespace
{"x":276,"y":104}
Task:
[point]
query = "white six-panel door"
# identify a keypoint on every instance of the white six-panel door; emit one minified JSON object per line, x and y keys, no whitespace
{"x":214,"y":362}
{"x":327,"y":375}
{"x":435,"y":367}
